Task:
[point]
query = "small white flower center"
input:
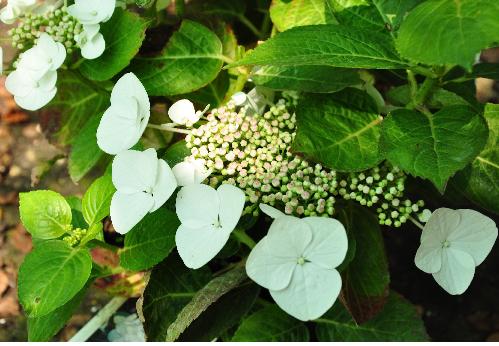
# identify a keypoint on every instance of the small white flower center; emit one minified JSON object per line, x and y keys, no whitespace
{"x":301,"y":260}
{"x":446,"y":244}
{"x":93,"y":13}
{"x":148,"y":190}
{"x":217,"y":223}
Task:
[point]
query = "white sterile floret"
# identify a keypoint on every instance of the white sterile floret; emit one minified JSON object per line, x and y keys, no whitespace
{"x":90,"y":12}
{"x":14,"y":9}
{"x":143,"y":184}
{"x":183,"y":112}
{"x":191,"y":171}
{"x":239,"y":98}
{"x":453,"y":243}
{"x":91,"y":42}
{"x":207,"y":217}
{"x":271,"y":211}
{"x":296,"y":262}
{"x":124,"y":122}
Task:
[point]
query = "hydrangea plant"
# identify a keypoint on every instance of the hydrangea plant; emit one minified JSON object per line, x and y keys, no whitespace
{"x":240,"y":154}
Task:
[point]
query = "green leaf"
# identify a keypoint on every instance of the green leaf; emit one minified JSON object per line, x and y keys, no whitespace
{"x":45,"y":327}
{"x":226,"y":9}
{"x":398,"y":321}
{"x":97,"y":199}
{"x":344,"y":139}
{"x":213,"y":94}
{"x":44,"y":213}
{"x":366,"y":278}
{"x":401,"y":96}
{"x":364,"y":17}
{"x":486,"y":70}
{"x":51,"y":275}
{"x":395,"y":10}
{"x":318,"y":79}
{"x":123,"y":34}
{"x":164,"y":298}
{"x":328,"y":45}
{"x":77,"y":219}
{"x":191,"y":60}
{"x":271,"y":324}
{"x":76,"y":101}
{"x":433,"y":146}
{"x":439,"y":32}
{"x":480,"y":180}
{"x":150,"y":241}
{"x":176,"y":153}
{"x":287,"y":14}
{"x":85,"y":153}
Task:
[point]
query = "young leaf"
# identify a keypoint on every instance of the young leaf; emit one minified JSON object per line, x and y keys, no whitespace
{"x":191,"y":60}
{"x":123,"y":34}
{"x":51,"y":275}
{"x":341,"y":138}
{"x":164,"y":299}
{"x":433,"y":146}
{"x":398,"y":321}
{"x":480,"y":180}
{"x":328,"y":45}
{"x":97,"y":199}
{"x":150,"y":241}
{"x":271,"y":324}
{"x":85,"y":153}
{"x":440,"y":32}
{"x":317,"y":79}
{"x":44,"y":213}
{"x":289,"y":14}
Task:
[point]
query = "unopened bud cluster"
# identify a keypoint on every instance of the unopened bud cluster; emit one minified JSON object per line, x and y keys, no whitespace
{"x":254,"y":153}
{"x":75,"y":236}
{"x":57,"y":23}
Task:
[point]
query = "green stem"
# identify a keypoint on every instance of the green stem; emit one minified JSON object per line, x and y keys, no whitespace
{"x":168,"y":128}
{"x":412,"y":83}
{"x":424,"y":93}
{"x":241,"y":235}
{"x":180,"y":7}
{"x":414,"y":221}
{"x":250,"y":26}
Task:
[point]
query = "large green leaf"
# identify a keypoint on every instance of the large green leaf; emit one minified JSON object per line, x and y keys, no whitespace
{"x":366,"y":278}
{"x":77,"y":100}
{"x":85,"y":153}
{"x":480,"y":180}
{"x":271,"y":324}
{"x":439,"y":32}
{"x":191,"y":60}
{"x":123,"y":34}
{"x":344,"y":139}
{"x":45,"y":327}
{"x":401,"y":96}
{"x":150,"y":241}
{"x":364,"y":17}
{"x":97,"y":199}
{"x":45,"y":214}
{"x":51,"y":275}
{"x":433,"y":146}
{"x":176,"y":153}
{"x":287,"y":14}
{"x":171,"y":286}
{"x":213,"y":94}
{"x":398,"y":321}
{"x":394,"y":11}
{"x":329,"y":45}
{"x":317,"y":79}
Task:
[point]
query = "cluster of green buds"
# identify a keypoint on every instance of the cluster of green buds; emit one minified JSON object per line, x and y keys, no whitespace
{"x":254,"y":153}
{"x":75,"y":235}
{"x":57,"y":23}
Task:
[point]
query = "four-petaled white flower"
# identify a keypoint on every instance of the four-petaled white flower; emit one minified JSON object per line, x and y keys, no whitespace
{"x":91,"y":42}
{"x":90,"y":12}
{"x":453,"y":243}
{"x":183,"y":112}
{"x":207,"y":217}
{"x":14,"y":9}
{"x":296,"y":262}
{"x":143,"y":184}
{"x":124,"y":122}
{"x":33,"y":83}
{"x":190,"y":171}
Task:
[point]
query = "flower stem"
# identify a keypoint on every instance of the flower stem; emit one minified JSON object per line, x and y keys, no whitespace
{"x":250,"y":26}
{"x":416,"y":222}
{"x":424,"y":93}
{"x":242,"y":237}
{"x":168,"y":127}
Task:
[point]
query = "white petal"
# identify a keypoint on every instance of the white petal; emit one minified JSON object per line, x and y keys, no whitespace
{"x":130,"y":86}
{"x":329,"y":242}
{"x":17,"y":83}
{"x":201,"y":172}
{"x":116,"y":134}
{"x":271,"y":211}
{"x":475,"y":234}
{"x":7,"y":15}
{"x":271,"y":262}
{"x":128,"y":209}
{"x":165,"y":185}
{"x":458,"y":269}
{"x":135,"y":171}
{"x":184,"y":172}
{"x":36,"y":99}
{"x":429,"y":258}
{"x":197,"y":247}
{"x":197,"y":206}
{"x":231,"y":205}
{"x":94,"y":47}
{"x":442,"y":222}
{"x":311,"y":292}
{"x":181,"y":111}
{"x":239,"y":98}
{"x":55,"y":51}
{"x":107,"y":9}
